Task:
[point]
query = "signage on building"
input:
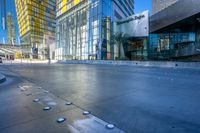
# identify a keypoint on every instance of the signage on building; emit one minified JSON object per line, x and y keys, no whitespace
{"x":135,"y":26}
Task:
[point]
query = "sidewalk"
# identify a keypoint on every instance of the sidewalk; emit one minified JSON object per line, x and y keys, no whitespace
{"x":18,"y":61}
{"x":195,"y":65}
{"x":2,"y":78}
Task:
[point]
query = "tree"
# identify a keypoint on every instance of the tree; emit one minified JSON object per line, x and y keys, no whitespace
{"x":119,"y":39}
{"x":18,"y":55}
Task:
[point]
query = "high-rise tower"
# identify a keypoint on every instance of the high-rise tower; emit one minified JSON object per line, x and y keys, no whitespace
{"x":84,"y":27}
{"x":7,"y":15}
{"x":11,"y":29}
{"x":36,"y":20}
{"x":159,"y":5}
{"x":3,"y":20}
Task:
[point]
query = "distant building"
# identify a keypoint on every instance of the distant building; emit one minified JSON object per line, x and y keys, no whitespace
{"x":175,"y":31}
{"x":3,"y":28}
{"x":36,"y":20}
{"x":84,"y":27}
{"x":159,"y":5}
{"x":136,"y":29}
{"x":11,"y":35}
{"x":7,"y":9}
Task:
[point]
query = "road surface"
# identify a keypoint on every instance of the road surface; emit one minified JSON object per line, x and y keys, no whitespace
{"x":134,"y":99}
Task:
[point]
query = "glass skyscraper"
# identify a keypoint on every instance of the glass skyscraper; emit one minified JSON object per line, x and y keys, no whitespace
{"x":11,"y":29}
{"x":8,"y":23}
{"x":36,"y":20}
{"x":84,"y":27}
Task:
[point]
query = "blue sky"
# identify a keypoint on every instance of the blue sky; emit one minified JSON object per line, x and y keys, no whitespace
{"x":141,"y":5}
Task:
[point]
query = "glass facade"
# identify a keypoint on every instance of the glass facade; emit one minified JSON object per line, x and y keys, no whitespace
{"x":8,"y":23}
{"x":36,"y":19}
{"x":11,"y":32}
{"x":169,"y":45}
{"x":84,"y":29}
{"x":136,"y":48}
{"x":175,"y":31}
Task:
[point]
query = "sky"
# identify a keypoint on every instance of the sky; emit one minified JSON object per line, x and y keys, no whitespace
{"x":141,"y":5}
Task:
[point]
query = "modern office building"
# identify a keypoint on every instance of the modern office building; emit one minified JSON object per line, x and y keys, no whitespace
{"x":135,"y":29}
{"x":3,"y":21}
{"x":175,"y":31}
{"x":84,"y":27}
{"x":159,"y":5}
{"x":11,"y":29}
{"x":36,"y":20}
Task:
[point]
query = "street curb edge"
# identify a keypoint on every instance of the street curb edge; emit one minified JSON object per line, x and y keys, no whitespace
{"x":2,"y":78}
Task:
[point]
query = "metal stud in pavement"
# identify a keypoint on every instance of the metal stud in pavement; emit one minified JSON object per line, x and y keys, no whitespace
{"x":110,"y":126}
{"x":46,"y":91}
{"x":36,"y":100}
{"x":61,"y":120}
{"x":68,"y":103}
{"x":46,"y":108}
{"x":29,"y":94}
{"x":86,"y":112}
{"x":22,"y":88}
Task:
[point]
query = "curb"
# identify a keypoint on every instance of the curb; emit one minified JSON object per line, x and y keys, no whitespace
{"x":166,"y":64}
{"x":2,"y":78}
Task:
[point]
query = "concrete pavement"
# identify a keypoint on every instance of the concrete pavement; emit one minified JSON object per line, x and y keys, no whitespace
{"x":2,"y":78}
{"x":20,"y":113}
{"x":28,"y":61}
{"x":135,"y":99}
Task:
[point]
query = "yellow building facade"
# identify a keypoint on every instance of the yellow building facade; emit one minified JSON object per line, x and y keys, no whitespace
{"x":65,"y":5}
{"x":36,"y":19}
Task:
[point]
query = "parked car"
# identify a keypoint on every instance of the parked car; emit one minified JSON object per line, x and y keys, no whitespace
{"x":1,"y":60}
